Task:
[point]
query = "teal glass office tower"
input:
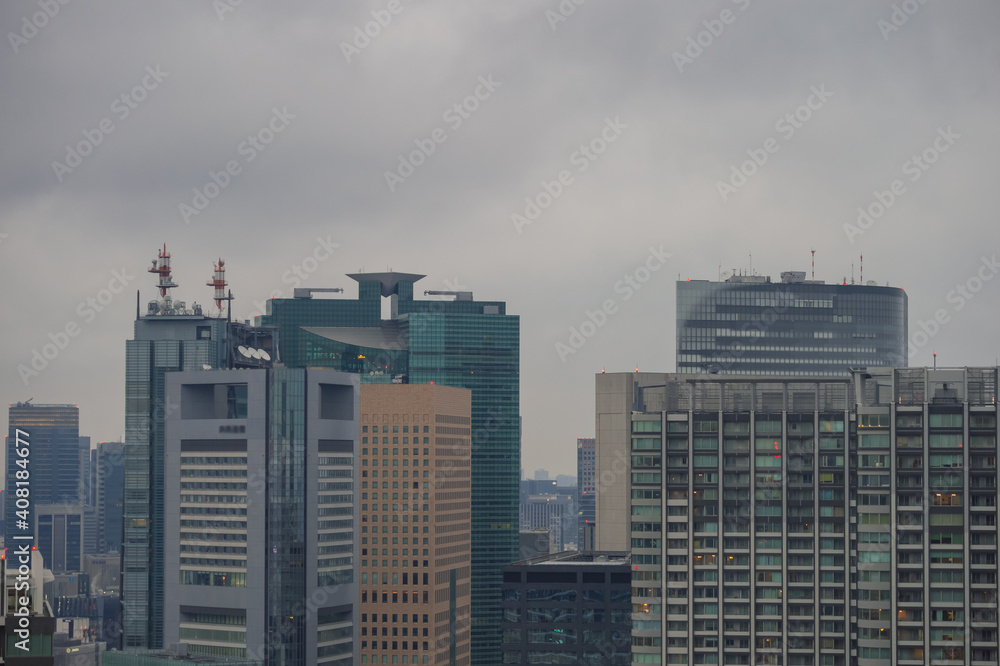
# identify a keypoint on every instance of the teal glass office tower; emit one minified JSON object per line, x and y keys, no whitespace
{"x":170,"y":337}
{"x":162,"y":343}
{"x":463,"y":343}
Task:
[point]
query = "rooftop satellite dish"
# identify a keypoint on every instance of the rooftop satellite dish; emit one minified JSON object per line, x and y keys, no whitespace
{"x":254,"y":353}
{"x":244,"y":351}
{"x":264,"y":355}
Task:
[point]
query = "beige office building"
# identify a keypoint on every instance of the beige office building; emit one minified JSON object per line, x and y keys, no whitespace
{"x":416,"y":452}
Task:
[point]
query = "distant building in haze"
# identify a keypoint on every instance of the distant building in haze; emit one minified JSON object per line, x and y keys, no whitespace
{"x":586,"y":464}
{"x":59,"y":535}
{"x":54,"y":460}
{"x":110,"y":495}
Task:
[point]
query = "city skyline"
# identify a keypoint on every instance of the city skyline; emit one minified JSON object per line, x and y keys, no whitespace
{"x":673,"y":117}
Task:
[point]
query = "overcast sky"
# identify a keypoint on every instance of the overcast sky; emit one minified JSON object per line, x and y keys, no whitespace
{"x":832,"y":99}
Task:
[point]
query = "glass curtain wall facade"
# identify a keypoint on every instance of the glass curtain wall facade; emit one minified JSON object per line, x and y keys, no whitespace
{"x":462,"y":343}
{"x":110,"y":491}
{"x":286,"y":517}
{"x":791,"y":328}
{"x":162,"y":343}
{"x":567,"y":608}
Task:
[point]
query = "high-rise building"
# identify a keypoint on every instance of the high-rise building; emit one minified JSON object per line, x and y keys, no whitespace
{"x":415,"y":603}
{"x":162,"y":343}
{"x":109,"y":495}
{"x":569,"y":608}
{"x":927,"y":516}
{"x":169,"y":337}
{"x":586,"y":464}
{"x":259,"y":508}
{"x":775,"y":520}
{"x":748,"y":325}
{"x":59,"y":535}
{"x":462,"y":343}
{"x":89,"y":472}
{"x":555,"y":513}
{"x":55,"y":463}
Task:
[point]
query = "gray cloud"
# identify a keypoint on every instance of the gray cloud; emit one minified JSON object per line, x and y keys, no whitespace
{"x":324,"y":174}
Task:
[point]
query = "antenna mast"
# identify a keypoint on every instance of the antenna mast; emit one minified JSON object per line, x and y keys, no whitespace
{"x":813,"y":264}
{"x":218,"y":281}
{"x":163,"y":271}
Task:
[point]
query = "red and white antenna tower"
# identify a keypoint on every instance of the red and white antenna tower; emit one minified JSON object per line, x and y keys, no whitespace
{"x":161,"y":267}
{"x":218,"y":281}
{"x":813,"y":264}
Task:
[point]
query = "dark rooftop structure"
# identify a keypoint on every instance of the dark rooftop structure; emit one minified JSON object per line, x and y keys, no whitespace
{"x":568,"y":608}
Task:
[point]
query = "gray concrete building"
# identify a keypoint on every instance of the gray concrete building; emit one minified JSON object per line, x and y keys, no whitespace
{"x":259,"y":506}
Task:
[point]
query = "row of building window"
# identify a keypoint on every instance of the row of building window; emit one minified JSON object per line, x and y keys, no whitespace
{"x":395,"y":461}
{"x":394,"y":597}
{"x":396,"y":659}
{"x":396,"y":631}
{"x":413,"y":580}
{"x":395,"y":440}
{"x":395,"y":428}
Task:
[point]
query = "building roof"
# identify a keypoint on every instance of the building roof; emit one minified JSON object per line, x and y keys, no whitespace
{"x":573,"y":557}
{"x":390,"y":281}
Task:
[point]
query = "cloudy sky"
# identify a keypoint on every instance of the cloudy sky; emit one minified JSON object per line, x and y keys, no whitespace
{"x":565,"y":147}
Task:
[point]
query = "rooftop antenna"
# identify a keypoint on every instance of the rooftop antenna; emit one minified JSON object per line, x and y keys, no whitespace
{"x":218,"y":281}
{"x":813,"y":251}
{"x":852,"y":272}
{"x":163,"y":270}
{"x":229,"y":326}
{"x":861,"y":279}
{"x":935,"y":360}
{"x":751,"y":262}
